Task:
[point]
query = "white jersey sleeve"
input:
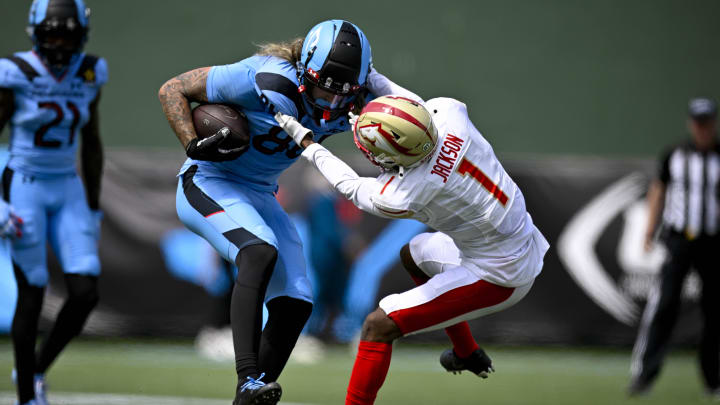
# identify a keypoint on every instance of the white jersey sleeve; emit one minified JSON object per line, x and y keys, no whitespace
{"x":359,"y":190}
{"x":379,"y":86}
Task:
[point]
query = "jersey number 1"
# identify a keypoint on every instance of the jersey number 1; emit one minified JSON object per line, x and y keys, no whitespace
{"x":467,"y":167}
{"x":59,"y":115}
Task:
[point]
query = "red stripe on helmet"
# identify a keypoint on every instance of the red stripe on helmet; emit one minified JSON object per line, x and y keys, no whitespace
{"x":376,"y":106}
{"x":388,"y":136}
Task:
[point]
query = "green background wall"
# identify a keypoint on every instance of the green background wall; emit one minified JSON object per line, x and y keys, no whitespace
{"x":550,"y":77}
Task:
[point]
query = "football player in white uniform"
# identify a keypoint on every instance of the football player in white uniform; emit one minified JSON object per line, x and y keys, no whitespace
{"x":486,"y":253}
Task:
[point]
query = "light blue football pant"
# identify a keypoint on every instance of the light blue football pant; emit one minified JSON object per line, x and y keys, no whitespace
{"x":231,"y":216}
{"x":53,"y":209}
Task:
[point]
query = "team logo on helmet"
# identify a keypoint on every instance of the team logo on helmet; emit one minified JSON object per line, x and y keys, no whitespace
{"x":395,"y":132}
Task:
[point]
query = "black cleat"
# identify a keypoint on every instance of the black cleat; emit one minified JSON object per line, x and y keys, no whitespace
{"x":255,"y":392}
{"x":639,"y":387}
{"x":478,"y":362}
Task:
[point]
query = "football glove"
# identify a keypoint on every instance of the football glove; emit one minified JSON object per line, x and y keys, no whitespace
{"x":352,"y":120}
{"x":292,"y":127}
{"x":209,"y":148}
{"x":10,"y":224}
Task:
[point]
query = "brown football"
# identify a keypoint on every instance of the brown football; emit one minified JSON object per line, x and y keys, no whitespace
{"x":210,"y":118}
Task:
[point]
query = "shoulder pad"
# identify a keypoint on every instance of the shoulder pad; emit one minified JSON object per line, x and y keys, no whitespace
{"x":403,"y":195}
{"x":278,"y":87}
{"x":92,"y":69}
{"x":24,"y":67}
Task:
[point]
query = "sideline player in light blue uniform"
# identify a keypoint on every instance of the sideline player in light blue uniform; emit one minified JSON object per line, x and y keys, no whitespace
{"x":226,"y":196}
{"x":49,"y":95}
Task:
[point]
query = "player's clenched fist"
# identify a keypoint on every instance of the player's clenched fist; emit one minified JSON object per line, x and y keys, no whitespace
{"x":209,"y":148}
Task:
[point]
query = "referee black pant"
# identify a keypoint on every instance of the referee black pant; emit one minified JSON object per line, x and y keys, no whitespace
{"x":663,"y":306}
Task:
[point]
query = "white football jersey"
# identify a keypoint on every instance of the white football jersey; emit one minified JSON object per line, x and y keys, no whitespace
{"x":463,"y":191}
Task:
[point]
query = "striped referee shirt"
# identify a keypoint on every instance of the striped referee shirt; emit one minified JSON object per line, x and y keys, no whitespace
{"x":692,"y":191}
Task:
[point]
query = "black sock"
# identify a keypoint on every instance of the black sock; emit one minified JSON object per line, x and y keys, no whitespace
{"x":286,"y":319}
{"x":24,"y":333}
{"x":255,"y":266}
{"x":82,"y":298}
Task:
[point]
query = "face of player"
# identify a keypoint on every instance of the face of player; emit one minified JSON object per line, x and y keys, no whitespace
{"x":327,"y":99}
{"x":58,"y":45}
{"x":703,"y":131}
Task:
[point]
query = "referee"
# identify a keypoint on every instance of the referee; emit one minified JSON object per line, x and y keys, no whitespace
{"x":688,"y":190}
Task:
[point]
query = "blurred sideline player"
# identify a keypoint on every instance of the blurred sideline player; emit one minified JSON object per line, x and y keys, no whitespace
{"x":50,"y":97}
{"x":226,"y":196}
{"x":437,"y":169}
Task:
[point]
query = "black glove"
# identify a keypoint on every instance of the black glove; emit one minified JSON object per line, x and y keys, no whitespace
{"x":209,"y":148}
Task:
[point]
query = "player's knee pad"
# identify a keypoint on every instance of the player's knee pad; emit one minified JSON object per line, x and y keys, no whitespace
{"x":82,"y":290}
{"x":255,"y":264}
{"x":430,"y":251}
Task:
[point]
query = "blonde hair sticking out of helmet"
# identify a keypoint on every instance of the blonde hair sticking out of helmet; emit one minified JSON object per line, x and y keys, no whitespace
{"x":291,"y":51}
{"x":288,"y":50}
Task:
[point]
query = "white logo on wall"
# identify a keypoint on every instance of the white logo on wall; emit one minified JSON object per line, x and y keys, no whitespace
{"x":576,"y":249}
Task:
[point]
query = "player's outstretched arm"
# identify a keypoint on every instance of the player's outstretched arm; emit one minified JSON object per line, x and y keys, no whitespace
{"x":7,"y":106}
{"x":177,"y":94}
{"x":341,"y":176}
{"x":91,"y":154}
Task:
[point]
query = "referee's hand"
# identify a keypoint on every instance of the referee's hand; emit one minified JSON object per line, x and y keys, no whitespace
{"x":649,"y":243}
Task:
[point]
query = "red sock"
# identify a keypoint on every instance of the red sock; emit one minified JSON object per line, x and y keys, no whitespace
{"x":371,"y":367}
{"x":463,"y":342}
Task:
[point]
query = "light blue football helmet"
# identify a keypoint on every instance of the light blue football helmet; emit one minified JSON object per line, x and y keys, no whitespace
{"x":336,"y":57}
{"x":52,"y":19}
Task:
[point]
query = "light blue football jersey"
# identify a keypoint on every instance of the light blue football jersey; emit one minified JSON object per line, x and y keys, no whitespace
{"x":260,"y":86}
{"x":49,"y":111}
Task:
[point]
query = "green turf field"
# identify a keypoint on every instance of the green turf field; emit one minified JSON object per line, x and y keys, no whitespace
{"x":152,"y":372}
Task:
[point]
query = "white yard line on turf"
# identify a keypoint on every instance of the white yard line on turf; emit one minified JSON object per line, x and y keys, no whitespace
{"x":67,"y":398}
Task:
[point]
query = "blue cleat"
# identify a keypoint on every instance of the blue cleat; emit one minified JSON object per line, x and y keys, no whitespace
{"x":39,"y":386}
{"x":478,"y":362}
{"x":40,"y":390}
{"x":255,"y":392}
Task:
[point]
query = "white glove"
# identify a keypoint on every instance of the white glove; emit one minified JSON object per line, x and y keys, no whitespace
{"x":352,"y":120}
{"x":292,"y":127}
{"x":10,"y":224}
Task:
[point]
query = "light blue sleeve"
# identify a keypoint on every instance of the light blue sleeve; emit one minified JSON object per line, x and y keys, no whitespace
{"x":233,"y":84}
{"x":10,"y":75}
{"x":101,"y":72}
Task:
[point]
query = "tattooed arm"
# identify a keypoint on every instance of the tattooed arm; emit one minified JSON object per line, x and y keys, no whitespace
{"x":175,"y":96}
{"x":7,"y":106}
{"x":91,"y":153}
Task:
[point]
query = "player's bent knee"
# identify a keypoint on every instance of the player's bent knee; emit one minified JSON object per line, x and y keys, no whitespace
{"x":378,"y":327}
{"x":255,"y":265}
{"x":409,"y":263}
{"x":261,"y":254}
{"x":82,"y":290}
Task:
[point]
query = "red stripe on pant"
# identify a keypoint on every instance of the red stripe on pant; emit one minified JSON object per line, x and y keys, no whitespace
{"x":449,"y":305}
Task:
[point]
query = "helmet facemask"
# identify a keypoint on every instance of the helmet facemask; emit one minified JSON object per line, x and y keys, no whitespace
{"x":57,"y":40}
{"x":331,"y":86}
{"x":62,"y":32}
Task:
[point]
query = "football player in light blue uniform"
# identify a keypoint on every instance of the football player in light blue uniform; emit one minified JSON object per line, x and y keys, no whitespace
{"x":49,"y":96}
{"x":226,"y":195}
